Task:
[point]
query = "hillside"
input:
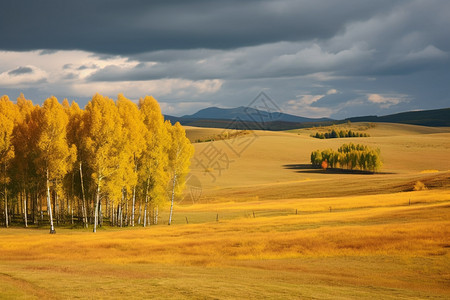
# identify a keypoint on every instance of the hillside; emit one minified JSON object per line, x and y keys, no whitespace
{"x":247,"y":125}
{"x":249,"y":114}
{"x":246,"y":118}
{"x":286,"y":172}
{"x":267,"y":221}
{"x":436,"y":117}
{"x":249,"y":118}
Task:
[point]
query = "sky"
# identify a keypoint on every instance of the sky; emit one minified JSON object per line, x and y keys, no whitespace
{"x":323,"y":58}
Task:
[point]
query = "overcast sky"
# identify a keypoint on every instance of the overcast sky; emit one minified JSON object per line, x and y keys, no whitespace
{"x":331,"y":58}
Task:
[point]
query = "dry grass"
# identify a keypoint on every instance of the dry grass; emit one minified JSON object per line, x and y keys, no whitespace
{"x":307,"y":253}
{"x":264,"y":160}
{"x":419,"y":229}
{"x":282,"y":232}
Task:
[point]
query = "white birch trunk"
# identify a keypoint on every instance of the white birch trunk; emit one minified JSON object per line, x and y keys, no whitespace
{"x":49,"y":207}
{"x":134,"y":195}
{"x":126,"y":211}
{"x":6,"y":207}
{"x":140,"y":211}
{"x":97,"y":202}
{"x":146,"y":202}
{"x":173,"y":196}
{"x":121,"y":208}
{"x":83,"y":206}
{"x":132,"y":207}
{"x":120,"y":215}
{"x":56,"y":204}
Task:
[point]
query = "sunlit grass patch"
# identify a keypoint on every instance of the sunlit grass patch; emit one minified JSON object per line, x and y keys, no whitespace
{"x":401,"y":230}
{"x":361,"y":238}
{"x":429,"y":171}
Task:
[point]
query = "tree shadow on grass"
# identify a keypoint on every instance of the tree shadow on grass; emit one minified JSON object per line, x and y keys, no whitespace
{"x":309,"y":169}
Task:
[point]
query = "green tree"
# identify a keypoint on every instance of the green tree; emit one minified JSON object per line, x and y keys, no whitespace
{"x":316,"y":158}
{"x":350,"y":156}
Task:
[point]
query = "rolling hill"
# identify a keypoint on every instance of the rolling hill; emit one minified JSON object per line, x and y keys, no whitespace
{"x":249,"y":114}
{"x":246,"y":118}
{"x":435,"y":117}
{"x":250,"y":118}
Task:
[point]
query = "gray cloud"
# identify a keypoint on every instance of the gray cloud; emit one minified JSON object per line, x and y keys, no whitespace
{"x":86,"y":67}
{"x":70,"y":76}
{"x":296,"y":50}
{"x":20,"y":71}
{"x":47,"y":52}
{"x":137,"y":26}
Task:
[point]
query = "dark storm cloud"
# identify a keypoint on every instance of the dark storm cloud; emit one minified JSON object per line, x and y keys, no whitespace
{"x":396,"y":40}
{"x":284,"y":59}
{"x":396,"y":53}
{"x":137,"y":26}
{"x":20,"y":71}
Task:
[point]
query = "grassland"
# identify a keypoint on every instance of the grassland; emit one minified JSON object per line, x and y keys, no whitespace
{"x":267,"y":226}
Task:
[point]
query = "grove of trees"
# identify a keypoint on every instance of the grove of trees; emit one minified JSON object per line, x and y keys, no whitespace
{"x":349,"y":156}
{"x":335,"y":134}
{"x":113,"y":161}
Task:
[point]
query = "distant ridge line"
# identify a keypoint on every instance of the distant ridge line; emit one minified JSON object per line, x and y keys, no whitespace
{"x":223,"y":118}
{"x":434,"y":118}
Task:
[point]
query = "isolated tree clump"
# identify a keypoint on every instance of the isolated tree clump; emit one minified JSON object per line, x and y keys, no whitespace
{"x":114,"y":161}
{"x":333,"y":134}
{"x":349,"y":156}
{"x":419,"y":186}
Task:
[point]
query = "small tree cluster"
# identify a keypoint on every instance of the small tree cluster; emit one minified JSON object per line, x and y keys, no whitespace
{"x":419,"y":186}
{"x":349,"y":156}
{"x":108,"y":160}
{"x":333,"y":134}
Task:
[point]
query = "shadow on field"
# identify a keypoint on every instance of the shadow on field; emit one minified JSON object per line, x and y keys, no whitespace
{"x":309,"y":168}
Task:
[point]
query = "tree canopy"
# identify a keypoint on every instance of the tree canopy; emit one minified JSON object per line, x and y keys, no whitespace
{"x":112,"y":158}
{"x":349,"y":156}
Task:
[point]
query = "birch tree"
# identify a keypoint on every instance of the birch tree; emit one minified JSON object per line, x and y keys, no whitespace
{"x":54,"y":155}
{"x":110,"y":150}
{"x":134,"y":143}
{"x":76,"y":134}
{"x":154,"y":160}
{"x":8,"y":116}
{"x":103,"y":131}
{"x":24,"y":136}
{"x":180,"y":154}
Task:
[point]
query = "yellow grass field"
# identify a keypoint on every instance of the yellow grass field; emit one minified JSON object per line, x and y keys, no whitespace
{"x":264,"y":226}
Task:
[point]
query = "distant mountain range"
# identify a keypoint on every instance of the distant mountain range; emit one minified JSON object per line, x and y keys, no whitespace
{"x":251,"y":118}
{"x":246,"y":118}
{"x":248,"y":114}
